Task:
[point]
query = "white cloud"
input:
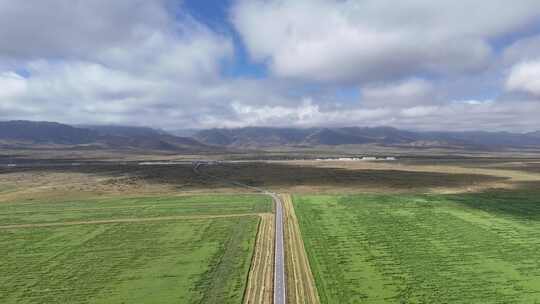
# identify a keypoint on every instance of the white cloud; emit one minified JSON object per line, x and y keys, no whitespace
{"x":68,"y":28}
{"x":419,"y":111}
{"x":154,"y":74}
{"x":306,"y":114}
{"x":351,"y":41}
{"x":194,"y":52}
{"x":474,"y":102}
{"x":11,"y":84}
{"x":410,"y":91}
{"x":466,"y":115}
{"x":525,"y":77}
{"x":91,"y":62}
{"x":457,"y":115}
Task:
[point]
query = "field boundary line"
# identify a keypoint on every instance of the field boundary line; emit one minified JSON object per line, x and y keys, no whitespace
{"x":130,"y":220}
{"x":92,"y":209}
{"x":302,"y":280}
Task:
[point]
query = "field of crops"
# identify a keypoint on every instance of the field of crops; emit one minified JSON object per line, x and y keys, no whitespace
{"x":469,"y":248}
{"x":38,"y":211}
{"x":192,"y":260}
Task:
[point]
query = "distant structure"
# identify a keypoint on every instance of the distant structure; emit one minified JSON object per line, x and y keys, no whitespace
{"x":364,"y":158}
{"x":197,"y":164}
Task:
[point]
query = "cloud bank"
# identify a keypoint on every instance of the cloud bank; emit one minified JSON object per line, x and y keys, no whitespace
{"x":415,"y":64}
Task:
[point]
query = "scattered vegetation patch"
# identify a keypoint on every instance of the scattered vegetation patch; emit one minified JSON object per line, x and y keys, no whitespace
{"x":284,"y":176}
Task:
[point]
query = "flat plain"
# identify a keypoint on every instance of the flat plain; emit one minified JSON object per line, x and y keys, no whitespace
{"x":195,"y":249}
{"x":419,"y":230}
{"x":462,"y":248}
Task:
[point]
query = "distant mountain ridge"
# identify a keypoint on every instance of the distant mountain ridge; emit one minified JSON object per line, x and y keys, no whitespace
{"x":45,"y":132}
{"x":387,"y":136}
{"x":118,"y":130}
{"x":32,"y":133}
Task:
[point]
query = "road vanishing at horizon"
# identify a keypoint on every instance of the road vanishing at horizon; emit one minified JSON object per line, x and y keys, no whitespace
{"x":280,"y":292}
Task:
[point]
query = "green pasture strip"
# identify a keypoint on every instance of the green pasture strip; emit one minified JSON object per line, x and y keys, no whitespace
{"x":28,"y":212}
{"x":191,"y":261}
{"x":471,"y":248}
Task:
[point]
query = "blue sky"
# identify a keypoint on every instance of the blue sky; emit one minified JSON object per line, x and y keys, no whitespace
{"x":215,"y":15}
{"x":414,"y":64}
{"x":212,"y":13}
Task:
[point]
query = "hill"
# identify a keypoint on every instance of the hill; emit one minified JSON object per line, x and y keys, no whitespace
{"x":32,"y":134}
{"x":126,"y":131}
{"x":385,"y":136}
{"x":45,"y":133}
{"x":534,"y":134}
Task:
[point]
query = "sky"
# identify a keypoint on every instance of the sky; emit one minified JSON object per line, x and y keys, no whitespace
{"x":171,"y":64}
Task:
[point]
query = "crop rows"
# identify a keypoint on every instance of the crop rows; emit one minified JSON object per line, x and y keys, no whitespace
{"x":114,"y":208}
{"x":423,"y":249}
{"x":195,"y":260}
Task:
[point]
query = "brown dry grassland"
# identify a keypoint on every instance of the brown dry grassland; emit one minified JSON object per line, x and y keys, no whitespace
{"x":260,"y":286}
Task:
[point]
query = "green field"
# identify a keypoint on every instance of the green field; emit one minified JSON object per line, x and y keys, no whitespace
{"x":171,"y":261}
{"x":38,"y":211}
{"x":471,"y":248}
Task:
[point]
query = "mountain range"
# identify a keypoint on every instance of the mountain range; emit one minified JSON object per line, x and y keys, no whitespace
{"x":384,"y":136}
{"x":15,"y":134}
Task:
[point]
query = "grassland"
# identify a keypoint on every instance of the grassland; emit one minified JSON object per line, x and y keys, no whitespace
{"x":466,"y":248}
{"x":119,"y":232}
{"x":34,"y":211}
{"x":182,"y":260}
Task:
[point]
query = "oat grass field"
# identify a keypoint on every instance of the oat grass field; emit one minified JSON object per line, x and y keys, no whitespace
{"x":196,"y":249}
{"x":462,"y":248}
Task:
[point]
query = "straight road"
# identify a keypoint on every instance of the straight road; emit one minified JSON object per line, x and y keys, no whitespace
{"x":280,"y":292}
{"x":280,"y":295}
